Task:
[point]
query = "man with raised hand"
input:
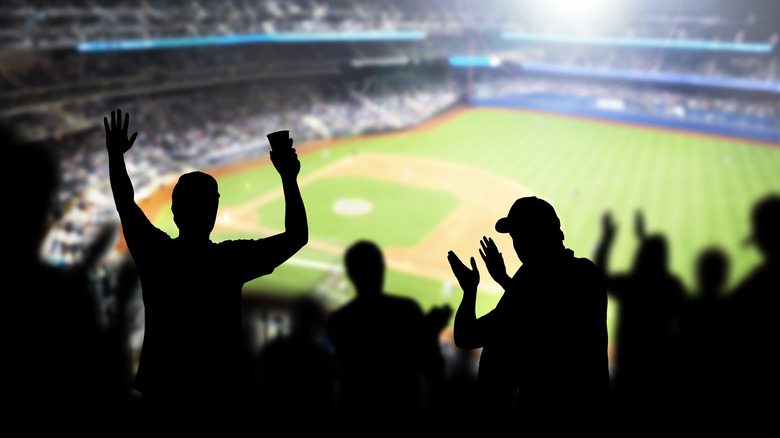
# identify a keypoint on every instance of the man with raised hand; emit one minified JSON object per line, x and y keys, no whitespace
{"x":192,"y":361}
{"x":544,"y":346}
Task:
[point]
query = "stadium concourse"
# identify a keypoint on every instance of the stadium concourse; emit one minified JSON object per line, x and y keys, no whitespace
{"x":206,"y":80}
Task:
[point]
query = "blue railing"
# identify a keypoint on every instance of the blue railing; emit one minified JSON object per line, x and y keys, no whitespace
{"x":621,"y":74}
{"x":292,"y":37}
{"x":657,"y":43}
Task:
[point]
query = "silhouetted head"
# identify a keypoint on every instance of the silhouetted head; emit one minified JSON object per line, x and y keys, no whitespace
{"x":195,"y":201}
{"x":765,"y":221}
{"x":652,"y":257}
{"x":365,"y":267}
{"x":534,"y":227}
{"x":712,"y":272}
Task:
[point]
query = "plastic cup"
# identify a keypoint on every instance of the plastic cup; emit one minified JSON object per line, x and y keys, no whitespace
{"x":279,"y":139}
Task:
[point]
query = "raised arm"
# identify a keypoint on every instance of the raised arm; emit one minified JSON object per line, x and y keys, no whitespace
{"x":296,"y":228}
{"x":117,"y":144}
{"x":466,"y":332}
{"x":605,"y":245}
{"x":615,"y":284}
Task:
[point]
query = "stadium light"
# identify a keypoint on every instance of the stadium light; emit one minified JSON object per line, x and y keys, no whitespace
{"x":577,"y":10}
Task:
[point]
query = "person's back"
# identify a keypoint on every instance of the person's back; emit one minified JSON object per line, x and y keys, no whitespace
{"x":55,"y":351}
{"x":753,"y":325}
{"x":376,"y":340}
{"x":561,"y":318}
{"x":193,"y":336}
{"x":384,"y":345}
{"x":191,"y":365}
{"x":650,"y":299}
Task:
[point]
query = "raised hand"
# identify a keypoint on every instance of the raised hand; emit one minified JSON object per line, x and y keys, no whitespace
{"x":608,"y":226}
{"x":116,"y":136}
{"x":467,"y":278}
{"x":494,"y":261}
{"x":286,"y":162}
{"x":639,"y":225}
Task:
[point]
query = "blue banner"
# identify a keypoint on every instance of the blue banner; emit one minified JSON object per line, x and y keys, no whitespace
{"x":293,"y":37}
{"x":641,"y":42}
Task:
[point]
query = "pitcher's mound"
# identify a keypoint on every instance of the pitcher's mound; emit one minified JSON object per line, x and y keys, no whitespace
{"x":352,"y":207}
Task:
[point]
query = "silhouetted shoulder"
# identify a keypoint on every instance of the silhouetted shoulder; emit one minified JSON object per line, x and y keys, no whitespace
{"x":585,"y":272}
{"x":759,"y":280}
{"x":586,"y":267}
{"x":404,"y":303}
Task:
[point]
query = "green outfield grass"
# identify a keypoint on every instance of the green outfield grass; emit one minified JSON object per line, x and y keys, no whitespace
{"x":696,"y":190}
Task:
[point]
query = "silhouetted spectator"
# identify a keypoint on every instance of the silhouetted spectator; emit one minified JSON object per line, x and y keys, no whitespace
{"x":544,"y":347}
{"x":649,"y":298}
{"x":298,"y":371}
{"x":454,"y":398}
{"x":57,"y":373}
{"x":703,"y":332}
{"x":386,"y":347}
{"x":755,"y":329}
{"x":192,"y":364}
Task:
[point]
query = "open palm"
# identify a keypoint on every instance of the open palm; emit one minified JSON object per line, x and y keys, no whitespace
{"x":494,"y":261}
{"x":116,"y":135}
{"x":467,"y":278}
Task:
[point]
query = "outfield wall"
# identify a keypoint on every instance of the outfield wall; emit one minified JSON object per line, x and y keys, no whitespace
{"x":587,"y":107}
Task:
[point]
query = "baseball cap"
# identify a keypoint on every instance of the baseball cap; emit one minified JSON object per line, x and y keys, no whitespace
{"x":529,"y":213}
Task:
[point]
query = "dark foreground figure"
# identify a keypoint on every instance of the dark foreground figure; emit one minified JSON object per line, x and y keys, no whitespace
{"x":544,"y":365}
{"x":64,"y":367}
{"x":386,"y":347}
{"x":192,"y":370}
{"x":650,"y":297}
{"x":753,"y":368}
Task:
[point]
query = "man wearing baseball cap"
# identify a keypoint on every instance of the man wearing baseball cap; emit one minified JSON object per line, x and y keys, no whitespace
{"x":544,"y":346}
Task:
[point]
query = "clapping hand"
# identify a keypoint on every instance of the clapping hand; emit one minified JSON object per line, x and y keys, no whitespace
{"x":467,"y":278}
{"x":116,"y":135}
{"x":494,"y":262}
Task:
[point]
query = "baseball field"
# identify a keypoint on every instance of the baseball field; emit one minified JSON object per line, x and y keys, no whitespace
{"x":441,"y":186}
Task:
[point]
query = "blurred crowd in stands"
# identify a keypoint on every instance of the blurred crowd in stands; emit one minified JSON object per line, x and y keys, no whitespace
{"x":52,"y":24}
{"x":697,"y":104}
{"x":69,"y":75}
{"x":212,"y":127}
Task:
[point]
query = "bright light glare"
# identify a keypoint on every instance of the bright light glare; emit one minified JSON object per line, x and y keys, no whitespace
{"x":579,"y":11}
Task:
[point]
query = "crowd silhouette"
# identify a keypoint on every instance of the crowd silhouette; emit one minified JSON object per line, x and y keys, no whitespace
{"x":650,"y":300}
{"x":703,"y":358}
{"x":58,"y":357}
